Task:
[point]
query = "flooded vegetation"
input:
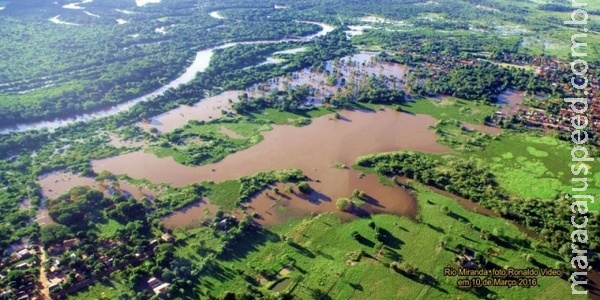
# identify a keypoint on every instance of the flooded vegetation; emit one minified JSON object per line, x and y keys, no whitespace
{"x":319,"y":145}
{"x":205,"y":110}
{"x":56,"y":184}
{"x":314,"y":149}
{"x":192,"y":215}
{"x":511,"y":100}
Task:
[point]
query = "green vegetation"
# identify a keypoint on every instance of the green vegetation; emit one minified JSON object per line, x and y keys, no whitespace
{"x":534,"y":166}
{"x":473,"y":179}
{"x":451,"y":109}
{"x":326,"y":256}
{"x":199,"y":143}
{"x":460,"y":55}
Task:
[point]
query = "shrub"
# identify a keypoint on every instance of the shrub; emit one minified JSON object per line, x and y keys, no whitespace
{"x":343,"y":204}
{"x":304,"y":188}
{"x":445,"y":210}
{"x":372,"y":224}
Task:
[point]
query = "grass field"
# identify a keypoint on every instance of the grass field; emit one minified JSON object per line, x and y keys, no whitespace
{"x":535,"y":166}
{"x":283,"y":117}
{"x":451,"y":109}
{"x":102,"y":290}
{"x":320,"y":253}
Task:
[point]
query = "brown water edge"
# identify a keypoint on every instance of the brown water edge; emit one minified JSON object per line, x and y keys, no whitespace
{"x":510,"y":100}
{"x":483,"y":128}
{"x":192,"y":215}
{"x":58,"y":183}
{"x":205,"y":110}
{"x":313,"y":149}
{"x":271,"y":208}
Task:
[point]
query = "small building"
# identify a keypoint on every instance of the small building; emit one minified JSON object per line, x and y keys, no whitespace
{"x":22,"y":266}
{"x":70,"y":243}
{"x":167,"y":237}
{"x":25,"y":253}
{"x":161,"y":288}
{"x":154,"y":282}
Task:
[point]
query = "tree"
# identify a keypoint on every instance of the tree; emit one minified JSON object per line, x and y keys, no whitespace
{"x":304,"y":188}
{"x":343,"y":204}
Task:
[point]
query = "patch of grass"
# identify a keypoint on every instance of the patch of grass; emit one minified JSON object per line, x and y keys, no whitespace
{"x":454,"y":135}
{"x":284,"y":117}
{"x":225,"y":194}
{"x":199,"y":143}
{"x":104,"y":289}
{"x":534,"y":166}
{"x":109,"y":229}
{"x":451,"y":109}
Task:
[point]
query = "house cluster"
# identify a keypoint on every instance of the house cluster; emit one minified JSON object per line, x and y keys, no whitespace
{"x":22,"y":258}
{"x":65,"y":279}
{"x":561,"y":119}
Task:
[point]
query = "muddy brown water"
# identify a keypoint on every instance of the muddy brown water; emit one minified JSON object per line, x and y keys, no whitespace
{"x":205,"y":110}
{"x":483,"y":128}
{"x":314,"y":149}
{"x":56,"y":184}
{"x":191,"y":215}
{"x":510,"y":100}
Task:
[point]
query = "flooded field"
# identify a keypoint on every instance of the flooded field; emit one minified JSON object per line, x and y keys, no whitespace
{"x":353,"y":69}
{"x":205,"y":110}
{"x":314,"y":149}
{"x":510,"y":100}
{"x":191,"y":215}
{"x":56,"y":184}
{"x":483,"y":128}
{"x":277,"y":208}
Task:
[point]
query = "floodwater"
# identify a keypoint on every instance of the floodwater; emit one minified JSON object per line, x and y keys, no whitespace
{"x":333,"y":184}
{"x":314,"y":149}
{"x":191,"y":215}
{"x":319,"y":145}
{"x":281,"y":285}
{"x":205,"y":110}
{"x":483,"y":128}
{"x":510,"y":100}
{"x":56,"y":184}
{"x":354,"y":69}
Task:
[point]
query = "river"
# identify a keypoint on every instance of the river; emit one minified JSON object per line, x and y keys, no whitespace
{"x":200,"y":63}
